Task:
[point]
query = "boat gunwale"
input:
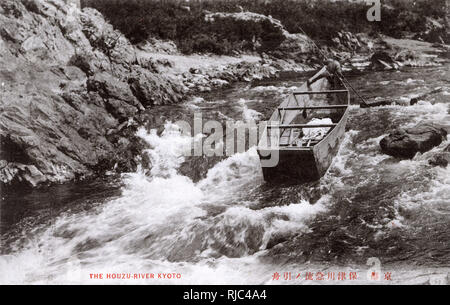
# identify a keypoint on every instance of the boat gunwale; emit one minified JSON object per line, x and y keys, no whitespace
{"x":311,"y":148}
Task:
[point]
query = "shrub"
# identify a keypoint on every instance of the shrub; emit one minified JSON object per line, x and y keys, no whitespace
{"x":320,"y":19}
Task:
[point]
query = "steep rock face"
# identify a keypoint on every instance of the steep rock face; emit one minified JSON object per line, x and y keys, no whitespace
{"x":405,"y":143}
{"x":68,"y":81}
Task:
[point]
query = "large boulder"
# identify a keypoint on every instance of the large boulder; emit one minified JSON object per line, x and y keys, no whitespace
{"x":382,"y":60}
{"x":406,"y":143}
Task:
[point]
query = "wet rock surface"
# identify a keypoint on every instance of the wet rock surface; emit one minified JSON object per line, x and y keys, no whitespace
{"x":68,"y":83}
{"x":382,"y":60}
{"x":441,"y":158}
{"x":406,"y":143}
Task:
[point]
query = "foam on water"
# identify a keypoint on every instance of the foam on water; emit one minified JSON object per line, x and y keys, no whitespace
{"x":247,"y":113}
{"x":437,"y":196}
{"x":160,"y":219}
{"x":422,"y":111}
{"x":166,"y":151}
{"x":232,"y":174}
{"x":275,"y":89}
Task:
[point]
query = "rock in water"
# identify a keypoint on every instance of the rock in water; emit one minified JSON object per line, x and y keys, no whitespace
{"x":441,"y":158}
{"x":405,"y":143}
{"x":381,"y":60}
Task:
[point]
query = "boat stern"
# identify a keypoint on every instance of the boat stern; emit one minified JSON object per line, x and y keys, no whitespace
{"x":292,"y":166}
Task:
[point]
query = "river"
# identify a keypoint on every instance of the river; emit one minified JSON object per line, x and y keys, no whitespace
{"x":215,"y":220}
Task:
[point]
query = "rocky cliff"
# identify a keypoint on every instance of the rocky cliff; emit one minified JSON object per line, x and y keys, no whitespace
{"x":70,"y":85}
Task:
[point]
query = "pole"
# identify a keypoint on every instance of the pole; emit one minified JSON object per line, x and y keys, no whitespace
{"x":348,"y":83}
{"x":343,"y":77}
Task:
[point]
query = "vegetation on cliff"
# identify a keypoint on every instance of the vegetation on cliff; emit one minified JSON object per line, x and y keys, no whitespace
{"x":185,"y":22}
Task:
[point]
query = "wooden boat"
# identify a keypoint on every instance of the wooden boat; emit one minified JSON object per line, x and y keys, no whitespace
{"x":302,"y":157}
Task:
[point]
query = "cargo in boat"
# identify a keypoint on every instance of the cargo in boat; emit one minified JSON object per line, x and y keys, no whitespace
{"x":305,"y":131}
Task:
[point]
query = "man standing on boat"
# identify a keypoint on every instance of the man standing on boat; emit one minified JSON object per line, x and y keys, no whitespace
{"x":333,"y":69}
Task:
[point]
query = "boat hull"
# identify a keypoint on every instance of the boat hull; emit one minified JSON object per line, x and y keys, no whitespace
{"x":327,"y":149}
{"x":284,"y":161}
{"x":300,"y":165}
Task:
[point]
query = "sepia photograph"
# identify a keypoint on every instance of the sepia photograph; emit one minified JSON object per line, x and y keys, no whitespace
{"x":245,"y":144}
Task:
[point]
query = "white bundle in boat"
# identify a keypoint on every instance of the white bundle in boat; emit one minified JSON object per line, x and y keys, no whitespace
{"x":312,"y":134}
{"x":316,"y":133}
